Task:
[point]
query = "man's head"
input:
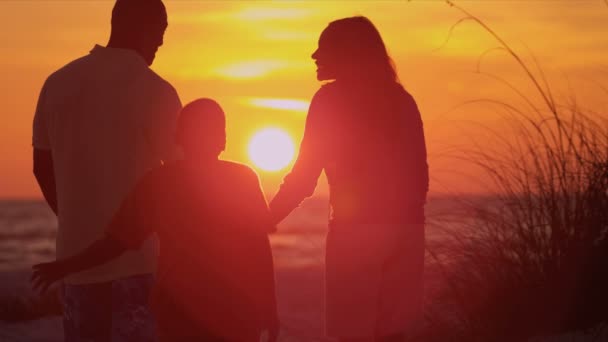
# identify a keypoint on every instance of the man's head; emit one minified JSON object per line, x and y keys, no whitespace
{"x":139,"y":25}
{"x":201,"y":129}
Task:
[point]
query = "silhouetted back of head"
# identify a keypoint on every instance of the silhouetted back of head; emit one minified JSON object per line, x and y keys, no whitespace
{"x":201,"y":129}
{"x":357,"y":45}
{"x":139,"y":25}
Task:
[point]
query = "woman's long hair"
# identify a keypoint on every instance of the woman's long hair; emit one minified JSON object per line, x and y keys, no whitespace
{"x":357,"y":42}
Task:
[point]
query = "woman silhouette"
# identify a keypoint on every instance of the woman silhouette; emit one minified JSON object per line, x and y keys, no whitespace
{"x":365,"y":131}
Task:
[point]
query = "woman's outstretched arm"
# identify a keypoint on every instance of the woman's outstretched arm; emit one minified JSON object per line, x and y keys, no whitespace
{"x":301,"y":181}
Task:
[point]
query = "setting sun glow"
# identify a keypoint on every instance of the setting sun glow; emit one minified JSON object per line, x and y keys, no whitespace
{"x":271,"y":149}
{"x":254,"y":59}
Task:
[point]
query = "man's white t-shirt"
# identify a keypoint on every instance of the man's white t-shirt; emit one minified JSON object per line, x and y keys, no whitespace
{"x":107,"y":119}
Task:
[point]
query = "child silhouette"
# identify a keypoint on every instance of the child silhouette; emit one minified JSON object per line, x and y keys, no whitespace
{"x":215,"y":279}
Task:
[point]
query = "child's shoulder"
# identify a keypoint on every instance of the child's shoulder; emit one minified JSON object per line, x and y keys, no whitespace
{"x":238,"y":169}
{"x":161,"y":174}
{"x":165,"y":169}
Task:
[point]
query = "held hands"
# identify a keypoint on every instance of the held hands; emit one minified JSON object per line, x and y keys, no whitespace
{"x":45,"y":274}
{"x":273,"y":332}
{"x":273,"y":335}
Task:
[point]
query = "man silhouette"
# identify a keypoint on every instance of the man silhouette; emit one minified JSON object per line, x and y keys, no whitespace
{"x":102,"y":121}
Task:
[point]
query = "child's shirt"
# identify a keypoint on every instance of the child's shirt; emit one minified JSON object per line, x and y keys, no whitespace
{"x":215,"y":269}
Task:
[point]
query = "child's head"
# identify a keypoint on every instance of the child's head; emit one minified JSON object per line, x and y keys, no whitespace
{"x":201,"y":129}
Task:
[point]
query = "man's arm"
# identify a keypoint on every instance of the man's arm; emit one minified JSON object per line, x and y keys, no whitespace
{"x":127,"y":230}
{"x":43,"y":158}
{"x":45,"y":175}
{"x":100,"y":252}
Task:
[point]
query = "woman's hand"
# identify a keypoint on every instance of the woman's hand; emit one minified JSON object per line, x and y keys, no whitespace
{"x":45,"y":274}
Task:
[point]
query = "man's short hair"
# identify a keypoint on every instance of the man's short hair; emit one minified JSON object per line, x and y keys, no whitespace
{"x":127,"y":14}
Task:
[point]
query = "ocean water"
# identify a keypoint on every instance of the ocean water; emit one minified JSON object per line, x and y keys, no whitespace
{"x":27,"y":233}
{"x":27,"y":237}
{"x":28,"y":230}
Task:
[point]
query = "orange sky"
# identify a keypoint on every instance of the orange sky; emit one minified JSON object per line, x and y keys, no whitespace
{"x":254,"y":57}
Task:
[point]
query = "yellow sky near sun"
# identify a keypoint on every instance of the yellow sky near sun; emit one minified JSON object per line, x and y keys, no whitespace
{"x":254,"y":58}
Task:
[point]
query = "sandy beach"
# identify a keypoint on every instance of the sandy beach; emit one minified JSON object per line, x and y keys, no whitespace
{"x":298,"y":250}
{"x":300,"y":300}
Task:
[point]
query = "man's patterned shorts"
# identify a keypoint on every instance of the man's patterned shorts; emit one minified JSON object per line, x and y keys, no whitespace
{"x":115,"y":311}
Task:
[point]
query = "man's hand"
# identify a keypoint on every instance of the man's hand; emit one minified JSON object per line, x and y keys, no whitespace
{"x":98,"y":253}
{"x":46,"y":274}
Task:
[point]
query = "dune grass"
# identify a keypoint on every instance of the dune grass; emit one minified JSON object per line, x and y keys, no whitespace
{"x":532,"y":261}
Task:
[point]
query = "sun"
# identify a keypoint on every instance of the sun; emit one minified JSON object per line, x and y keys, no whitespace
{"x":271,"y":149}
